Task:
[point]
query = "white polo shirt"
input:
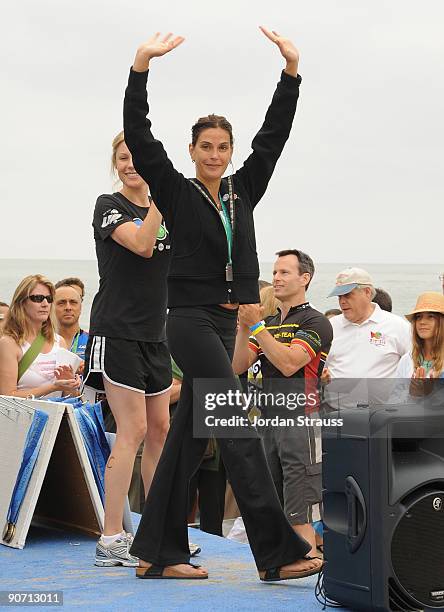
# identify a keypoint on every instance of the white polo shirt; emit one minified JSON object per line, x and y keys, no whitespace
{"x":367,"y":350}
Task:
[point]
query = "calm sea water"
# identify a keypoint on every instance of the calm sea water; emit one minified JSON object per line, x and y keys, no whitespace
{"x":403,"y":282}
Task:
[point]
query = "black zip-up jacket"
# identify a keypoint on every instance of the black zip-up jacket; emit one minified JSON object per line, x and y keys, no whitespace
{"x":199,"y":250}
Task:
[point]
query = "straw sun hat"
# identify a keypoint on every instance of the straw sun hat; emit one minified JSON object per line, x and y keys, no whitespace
{"x":431,"y":301}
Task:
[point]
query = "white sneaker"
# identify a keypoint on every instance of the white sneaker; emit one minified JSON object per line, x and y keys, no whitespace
{"x":116,"y":553}
{"x":194,"y":549}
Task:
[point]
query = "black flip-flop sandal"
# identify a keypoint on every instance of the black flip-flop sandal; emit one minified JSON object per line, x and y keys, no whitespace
{"x":166,"y":572}
{"x":277,"y":574}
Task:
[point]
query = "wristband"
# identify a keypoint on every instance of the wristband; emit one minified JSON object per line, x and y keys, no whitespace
{"x":257,"y":330}
{"x":256,"y":325}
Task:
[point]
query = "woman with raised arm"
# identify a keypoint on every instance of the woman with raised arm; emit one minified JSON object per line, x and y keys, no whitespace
{"x":126,"y":355}
{"x":214,"y":268}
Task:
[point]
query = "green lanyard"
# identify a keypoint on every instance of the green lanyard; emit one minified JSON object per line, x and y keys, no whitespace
{"x":227,"y":221}
{"x":227,"y":225}
{"x":75,"y":342}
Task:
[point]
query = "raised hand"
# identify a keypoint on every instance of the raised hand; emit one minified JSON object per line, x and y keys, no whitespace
{"x":156,"y":46}
{"x":287,"y":49}
{"x":250,"y":314}
{"x":419,"y":373}
{"x":420,"y":385}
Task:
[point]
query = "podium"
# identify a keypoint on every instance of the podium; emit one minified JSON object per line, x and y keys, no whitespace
{"x":62,"y":491}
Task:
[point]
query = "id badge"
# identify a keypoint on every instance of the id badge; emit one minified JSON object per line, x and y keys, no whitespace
{"x":229,"y":272}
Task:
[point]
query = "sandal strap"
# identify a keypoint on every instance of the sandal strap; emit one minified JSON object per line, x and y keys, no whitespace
{"x":273,"y":573}
{"x":155,"y":570}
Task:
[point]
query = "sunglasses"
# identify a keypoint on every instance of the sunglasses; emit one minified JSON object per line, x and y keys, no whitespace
{"x":38,"y":298}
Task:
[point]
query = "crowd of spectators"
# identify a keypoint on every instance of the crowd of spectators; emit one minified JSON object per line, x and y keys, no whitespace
{"x":368,"y":343}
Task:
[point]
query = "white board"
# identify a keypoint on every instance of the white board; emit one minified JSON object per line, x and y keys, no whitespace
{"x":62,"y":491}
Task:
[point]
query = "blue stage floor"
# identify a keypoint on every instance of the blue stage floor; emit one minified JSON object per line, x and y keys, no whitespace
{"x":57,"y":560}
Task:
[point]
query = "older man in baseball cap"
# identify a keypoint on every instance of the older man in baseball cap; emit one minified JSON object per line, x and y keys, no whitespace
{"x":367,"y":342}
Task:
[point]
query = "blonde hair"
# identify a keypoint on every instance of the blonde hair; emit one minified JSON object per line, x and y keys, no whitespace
{"x":269,"y":303}
{"x":437,"y":349}
{"x":17,"y":323}
{"x":117,"y":140}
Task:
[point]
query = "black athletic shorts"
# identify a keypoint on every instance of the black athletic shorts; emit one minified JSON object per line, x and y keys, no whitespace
{"x":144,"y":367}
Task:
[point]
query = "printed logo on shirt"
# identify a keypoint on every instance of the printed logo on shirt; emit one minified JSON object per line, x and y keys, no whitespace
{"x":162,"y":234}
{"x":377,"y":338}
{"x":110,"y":217}
{"x":311,"y":337}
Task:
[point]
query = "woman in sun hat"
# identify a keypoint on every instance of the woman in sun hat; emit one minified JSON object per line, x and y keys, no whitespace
{"x":426,"y":360}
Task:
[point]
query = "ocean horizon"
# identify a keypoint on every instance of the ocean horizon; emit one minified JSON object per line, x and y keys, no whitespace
{"x":404,"y":282}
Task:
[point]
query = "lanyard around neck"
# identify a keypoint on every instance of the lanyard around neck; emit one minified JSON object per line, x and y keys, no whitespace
{"x":75,"y":342}
{"x":226,"y":218}
{"x":227,"y":226}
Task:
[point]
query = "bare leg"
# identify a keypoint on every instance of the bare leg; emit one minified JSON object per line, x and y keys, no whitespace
{"x":319,"y":541}
{"x":158,"y":419}
{"x":158,"y":423}
{"x":307,"y":532}
{"x":128,"y":408}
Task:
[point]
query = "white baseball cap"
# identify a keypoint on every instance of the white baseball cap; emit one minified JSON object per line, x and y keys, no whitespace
{"x":349,"y":279}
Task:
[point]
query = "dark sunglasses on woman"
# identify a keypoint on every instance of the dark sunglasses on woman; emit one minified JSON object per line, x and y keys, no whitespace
{"x":38,"y":298}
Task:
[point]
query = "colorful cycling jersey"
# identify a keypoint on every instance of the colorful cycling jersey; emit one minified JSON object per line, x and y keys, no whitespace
{"x":79,"y":343}
{"x":303,"y":326}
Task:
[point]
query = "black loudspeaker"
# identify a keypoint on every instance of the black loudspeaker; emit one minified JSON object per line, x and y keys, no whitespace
{"x":383,"y":478}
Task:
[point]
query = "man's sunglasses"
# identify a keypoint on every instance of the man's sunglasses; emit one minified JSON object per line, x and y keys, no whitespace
{"x":38,"y":298}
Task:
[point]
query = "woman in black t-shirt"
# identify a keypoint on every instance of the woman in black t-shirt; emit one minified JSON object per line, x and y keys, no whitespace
{"x":214,"y":267}
{"x":126,"y":356}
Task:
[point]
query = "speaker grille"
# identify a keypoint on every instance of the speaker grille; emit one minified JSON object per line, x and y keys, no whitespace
{"x":418,"y":551}
{"x":399,"y":601}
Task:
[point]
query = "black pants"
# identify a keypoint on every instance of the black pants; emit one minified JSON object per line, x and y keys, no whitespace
{"x":201,"y":340}
{"x":209,"y":486}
